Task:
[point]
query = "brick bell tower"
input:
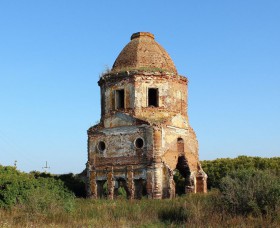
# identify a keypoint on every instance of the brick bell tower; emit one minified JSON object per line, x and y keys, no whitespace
{"x":144,"y":132}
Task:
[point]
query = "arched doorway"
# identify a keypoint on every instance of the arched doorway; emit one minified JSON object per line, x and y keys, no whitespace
{"x":102,"y":188}
{"x":140,"y":188}
{"x":182,"y":176}
{"x":121,"y":189}
{"x":182,"y":172}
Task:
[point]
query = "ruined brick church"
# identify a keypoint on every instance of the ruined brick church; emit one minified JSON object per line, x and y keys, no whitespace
{"x":144,"y":132}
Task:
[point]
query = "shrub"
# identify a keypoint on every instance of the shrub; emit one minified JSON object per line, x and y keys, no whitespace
{"x":219,"y":168}
{"x":35,"y":194}
{"x":74,"y":183}
{"x":48,"y":195}
{"x":250,"y":191}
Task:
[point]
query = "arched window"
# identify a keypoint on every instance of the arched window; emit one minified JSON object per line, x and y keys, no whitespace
{"x":180,"y":146}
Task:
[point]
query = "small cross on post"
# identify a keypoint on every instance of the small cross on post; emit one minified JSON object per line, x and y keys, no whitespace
{"x":46,"y":167}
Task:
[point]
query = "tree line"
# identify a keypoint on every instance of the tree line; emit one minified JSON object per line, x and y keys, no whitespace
{"x":220,"y":168}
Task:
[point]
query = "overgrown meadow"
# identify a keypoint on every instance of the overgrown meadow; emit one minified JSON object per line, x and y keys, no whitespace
{"x":244,"y":192}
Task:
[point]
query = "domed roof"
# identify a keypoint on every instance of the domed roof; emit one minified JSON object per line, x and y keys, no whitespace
{"x":143,"y":52}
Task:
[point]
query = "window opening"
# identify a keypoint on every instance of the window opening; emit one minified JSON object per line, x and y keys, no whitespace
{"x":180,"y":146}
{"x":139,"y":143}
{"x":120,"y":99}
{"x":101,"y":146}
{"x":153,"y":97}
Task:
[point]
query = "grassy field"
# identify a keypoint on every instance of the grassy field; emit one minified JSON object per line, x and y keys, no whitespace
{"x":194,"y":210}
{"x":245,"y":193}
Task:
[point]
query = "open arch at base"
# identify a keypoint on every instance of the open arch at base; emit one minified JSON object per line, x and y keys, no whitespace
{"x":140,"y":188}
{"x":121,"y":189}
{"x":102,"y":188}
{"x":182,"y":176}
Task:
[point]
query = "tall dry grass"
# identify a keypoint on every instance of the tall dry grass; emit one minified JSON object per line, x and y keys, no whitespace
{"x":195,"y":210}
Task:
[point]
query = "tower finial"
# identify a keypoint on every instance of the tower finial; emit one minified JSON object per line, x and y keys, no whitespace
{"x":142,"y":34}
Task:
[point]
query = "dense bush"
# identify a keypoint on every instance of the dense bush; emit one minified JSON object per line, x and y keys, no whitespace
{"x":35,"y":194}
{"x":74,"y":182}
{"x":219,"y":168}
{"x":250,"y":191}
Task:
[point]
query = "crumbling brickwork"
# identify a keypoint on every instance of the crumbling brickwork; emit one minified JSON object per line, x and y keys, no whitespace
{"x":144,"y":132}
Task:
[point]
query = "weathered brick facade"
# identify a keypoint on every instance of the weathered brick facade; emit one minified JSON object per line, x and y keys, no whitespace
{"x":144,"y":132}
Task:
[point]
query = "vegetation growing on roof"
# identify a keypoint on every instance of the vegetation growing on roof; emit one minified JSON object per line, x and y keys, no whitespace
{"x":108,"y":71}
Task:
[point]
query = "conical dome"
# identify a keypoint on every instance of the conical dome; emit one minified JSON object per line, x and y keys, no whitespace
{"x":143,"y":52}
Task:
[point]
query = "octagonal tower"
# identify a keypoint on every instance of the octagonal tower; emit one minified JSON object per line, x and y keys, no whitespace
{"x":144,"y":133}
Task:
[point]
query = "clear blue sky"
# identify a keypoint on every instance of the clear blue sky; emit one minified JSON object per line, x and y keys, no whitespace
{"x":52,"y":52}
